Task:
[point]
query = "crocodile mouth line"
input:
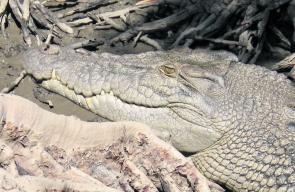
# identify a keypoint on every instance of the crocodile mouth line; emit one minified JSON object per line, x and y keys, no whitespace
{"x":56,"y":85}
{"x":102,"y":93}
{"x":64,"y":86}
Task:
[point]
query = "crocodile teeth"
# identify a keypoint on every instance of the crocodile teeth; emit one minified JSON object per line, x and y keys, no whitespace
{"x":102,"y":92}
{"x":53,"y":74}
{"x":112,"y":93}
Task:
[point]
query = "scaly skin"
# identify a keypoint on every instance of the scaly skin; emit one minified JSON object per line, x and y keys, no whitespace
{"x":239,"y":118}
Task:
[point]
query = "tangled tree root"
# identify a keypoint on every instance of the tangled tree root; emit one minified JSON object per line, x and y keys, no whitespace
{"x":246,"y":27}
{"x":42,"y":151}
{"x":58,"y":18}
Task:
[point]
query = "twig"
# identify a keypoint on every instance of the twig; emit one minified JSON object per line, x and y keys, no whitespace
{"x":194,"y":30}
{"x":24,"y":6}
{"x":288,"y":62}
{"x":34,"y":29}
{"x":3,"y":21}
{"x":115,"y":25}
{"x":15,"y":83}
{"x":53,"y":4}
{"x":220,"y":41}
{"x":158,"y":25}
{"x":151,"y":42}
{"x":121,"y":13}
{"x":238,"y":30}
{"x":18,"y":16}
{"x":39,"y":41}
{"x":48,"y":39}
{"x":284,"y":42}
{"x":137,"y":38}
{"x":88,"y":42}
{"x":26,"y":10}
{"x":276,"y":51}
{"x":146,"y":2}
{"x":98,"y":27}
{"x":275,"y":4}
{"x":222,"y":18}
{"x":78,"y":22}
{"x":86,"y":7}
{"x":52,"y":18}
{"x":3,"y":5}
{"x":37,"y":15}
{"x":261,"y":36}
{"x":188,"y":43}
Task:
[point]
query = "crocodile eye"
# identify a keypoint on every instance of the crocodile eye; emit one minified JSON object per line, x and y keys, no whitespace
{"x":168,"y":70}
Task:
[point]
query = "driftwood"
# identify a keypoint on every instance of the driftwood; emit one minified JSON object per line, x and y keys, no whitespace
{"x":42,"y":151}
{"x":29,"y":13}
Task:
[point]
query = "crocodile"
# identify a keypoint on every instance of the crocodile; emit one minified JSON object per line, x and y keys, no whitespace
{"x":237,"y":121}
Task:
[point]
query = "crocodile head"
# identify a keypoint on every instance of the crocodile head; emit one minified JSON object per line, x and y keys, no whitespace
{"x":178,"y":93}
